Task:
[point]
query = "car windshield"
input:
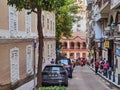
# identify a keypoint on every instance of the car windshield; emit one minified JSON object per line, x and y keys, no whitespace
{"x":54,"y":69}
{"x":64,"y":61}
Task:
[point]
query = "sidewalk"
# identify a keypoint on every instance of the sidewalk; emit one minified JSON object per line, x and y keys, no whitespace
{"x":28,"y":86}
{"x":109,"y":80}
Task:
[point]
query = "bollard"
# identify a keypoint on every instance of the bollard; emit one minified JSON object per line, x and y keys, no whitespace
{"x":113,"y":76}
{"x":110,"y":75}
{"x":118,"y":79}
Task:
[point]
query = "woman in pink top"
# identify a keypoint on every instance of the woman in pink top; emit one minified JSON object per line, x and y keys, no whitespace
{"x":105,"y":68}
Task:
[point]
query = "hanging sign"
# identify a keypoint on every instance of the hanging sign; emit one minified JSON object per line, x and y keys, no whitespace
{"x":107,"y":44}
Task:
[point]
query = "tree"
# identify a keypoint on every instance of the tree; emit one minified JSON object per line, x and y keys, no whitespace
{"x":64,"y":21}
{"x":37,"y":6}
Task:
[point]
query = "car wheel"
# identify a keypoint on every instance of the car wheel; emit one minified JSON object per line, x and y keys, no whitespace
{"x":66,"y":84}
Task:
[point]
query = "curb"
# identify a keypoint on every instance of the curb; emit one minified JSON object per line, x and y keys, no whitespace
{"x":106,"y":79}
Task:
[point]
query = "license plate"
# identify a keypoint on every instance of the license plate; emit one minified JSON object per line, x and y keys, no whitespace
{"x":60,"y":81}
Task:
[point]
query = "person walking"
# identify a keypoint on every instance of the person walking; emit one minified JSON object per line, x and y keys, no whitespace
{"x":96,"y":66}
{"x":52,"y":61}
{"x":101,"y":65}
{"x":105,"y":68}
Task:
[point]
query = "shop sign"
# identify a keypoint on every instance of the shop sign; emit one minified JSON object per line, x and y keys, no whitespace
{"x":107,"y":44}
{"x":92,"y":51}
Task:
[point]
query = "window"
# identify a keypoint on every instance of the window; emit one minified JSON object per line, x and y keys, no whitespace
{"x":48,"y":50}
{"x":84,"y":55}
{"x":13,"y":20}
{"x":28,"y":22}
{"x":43,"y":21}
{"x":84,"y":45}
{"x":47,"y":23}
{"x":72,"y":45}
{"x":77,"y":55}
{"x":65,"y":45}
{"x":51,"y":25}
{"x":71,"y":55}
{"x":29,"y":59}
{"x":14,"y":62}
{"x":78,"y":45}
{"x":78,"y":25}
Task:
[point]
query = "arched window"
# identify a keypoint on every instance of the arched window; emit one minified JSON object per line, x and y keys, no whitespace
{"x":65,"y":45}
{"x":78,"y":45}
{"x":77,"y":55}
{"x":84,"y":45}
{"x":72,"y":45}
{"x":84,"y":55}
{"x":72,"y":55}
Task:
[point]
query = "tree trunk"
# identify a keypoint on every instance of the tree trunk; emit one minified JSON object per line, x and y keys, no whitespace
{"x":40,"y":52}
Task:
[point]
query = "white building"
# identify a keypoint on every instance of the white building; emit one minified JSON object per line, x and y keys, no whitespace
{"x":80,"y":17}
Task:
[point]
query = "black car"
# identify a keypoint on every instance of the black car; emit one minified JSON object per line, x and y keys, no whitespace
{"x":54,"y":74}
{"x":67,"y":63}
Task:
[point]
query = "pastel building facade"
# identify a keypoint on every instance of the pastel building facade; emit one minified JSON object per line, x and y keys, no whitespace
{"x":18,"y":30}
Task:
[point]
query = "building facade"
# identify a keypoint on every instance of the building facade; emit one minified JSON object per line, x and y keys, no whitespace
{"x":48,"y":24}
{"x":18,"y":31}
{"x":75,"y":46}
{"x":105,"y":19}
{"x":80,"y":16}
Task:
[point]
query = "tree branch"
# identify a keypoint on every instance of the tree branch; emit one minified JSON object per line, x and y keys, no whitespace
{"x":34,"y":11}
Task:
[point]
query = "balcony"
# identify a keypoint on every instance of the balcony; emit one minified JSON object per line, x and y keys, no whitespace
{"x":115,"y":4}
{"x":104,"y":6}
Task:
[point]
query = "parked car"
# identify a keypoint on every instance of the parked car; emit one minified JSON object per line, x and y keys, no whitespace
{"x":54,"y":74}
{"x":68,"y":64}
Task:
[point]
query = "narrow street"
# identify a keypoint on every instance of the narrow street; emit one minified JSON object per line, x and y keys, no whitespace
{"x":85,"y":79}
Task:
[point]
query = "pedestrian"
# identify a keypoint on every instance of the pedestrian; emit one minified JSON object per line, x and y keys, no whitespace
{"x":105,"y":68}
{"x":96,"y":66}
{"x":84,"y":61}
{"x":52,"y":61}
{"x":101,"y":65}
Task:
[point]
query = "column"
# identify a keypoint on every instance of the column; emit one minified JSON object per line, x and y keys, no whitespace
{"x":68,"y":44}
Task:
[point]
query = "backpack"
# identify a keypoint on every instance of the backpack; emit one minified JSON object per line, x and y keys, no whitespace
{"x":96,"y":64}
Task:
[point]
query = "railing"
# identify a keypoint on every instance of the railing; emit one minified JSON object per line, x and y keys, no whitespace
{"x":102,"y":3}
{"x":110,"y":76}
{"x":74,"y":48}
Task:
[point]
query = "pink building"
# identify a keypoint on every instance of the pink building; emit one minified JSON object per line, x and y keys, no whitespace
{"x":75,"y":46}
